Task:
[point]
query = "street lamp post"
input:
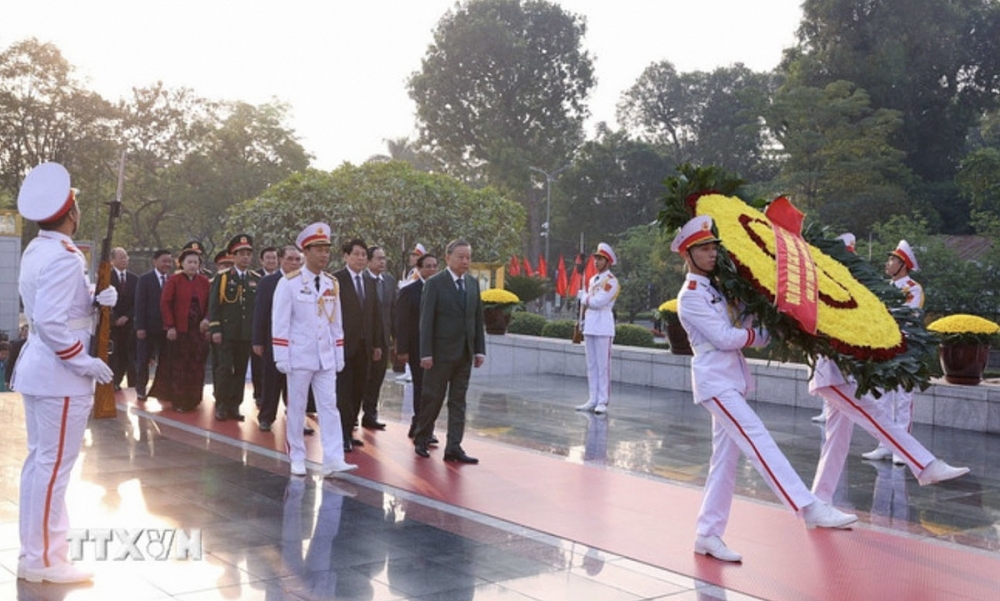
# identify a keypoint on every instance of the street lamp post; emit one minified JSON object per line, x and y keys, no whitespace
{"x":549,"y":177}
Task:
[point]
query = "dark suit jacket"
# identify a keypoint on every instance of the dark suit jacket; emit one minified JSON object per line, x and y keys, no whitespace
{"x":407,"y":325}
{"x":386,"y":290}
{"x":147,"y":303}
{"x":126,"y":295}
{"x":262,"y":309}
{"x":362,"y":324}
{"x":446,"y":329}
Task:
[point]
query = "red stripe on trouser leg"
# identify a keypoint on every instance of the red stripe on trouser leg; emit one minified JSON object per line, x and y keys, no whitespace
{"x":52,"y":482}
{"x":871,"y":420}
{"x":760,"y":458}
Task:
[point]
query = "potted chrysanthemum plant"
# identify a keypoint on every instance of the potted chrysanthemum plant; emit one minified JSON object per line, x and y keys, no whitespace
{"x":498,"y":305}
{"x":676,"y":336}
{"x":965,"y":346}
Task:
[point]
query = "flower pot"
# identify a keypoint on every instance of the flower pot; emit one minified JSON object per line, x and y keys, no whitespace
{"x":496,"y":320}
{"x":963,"y":363}
{"x":678,"y":339}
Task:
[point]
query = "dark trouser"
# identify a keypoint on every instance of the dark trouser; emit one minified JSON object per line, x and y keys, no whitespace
{"x":146,"y":350}
{"x":453,"y":377}
{"x":351,"y":383}
{"x":123,"y":357}
{"x":417,"y":375}
{"x":257,"y":376}
{"x":376,"y":376}
{"x":232,"y":357}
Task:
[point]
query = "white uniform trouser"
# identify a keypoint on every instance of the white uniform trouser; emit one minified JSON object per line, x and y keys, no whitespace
{"x":898,"y":405}
{"x":735,"y":429}
{"x":55,"y":428}
{"x":598,"y":368}
{"x":324,"y":385}
{"x":870,"y":414}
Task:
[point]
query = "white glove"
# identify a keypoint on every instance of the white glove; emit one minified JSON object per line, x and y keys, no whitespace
{"x":282,"y":366}
{"x":107,"y":297}
{"x":99,"y":370}
{"x":338,"y":355}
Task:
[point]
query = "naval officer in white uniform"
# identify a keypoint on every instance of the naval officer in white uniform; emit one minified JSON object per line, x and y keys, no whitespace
{"x":598,"y":302}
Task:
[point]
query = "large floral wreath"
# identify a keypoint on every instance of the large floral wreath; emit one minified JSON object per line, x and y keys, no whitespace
{"x":861,"y":323}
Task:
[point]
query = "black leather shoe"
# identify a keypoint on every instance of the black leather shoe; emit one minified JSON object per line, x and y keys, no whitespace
{"x":460,"y":457}
{"x":357,"y":443}
{"x":372,"y":424}
{"x":221,"y":415}
{"x":348,"y":447}
{"x":308,"y":431}
{"x":237,"y":416}
{"x":264,"y":425}
{"x":421,"y":449}
{"x":433,"y":441}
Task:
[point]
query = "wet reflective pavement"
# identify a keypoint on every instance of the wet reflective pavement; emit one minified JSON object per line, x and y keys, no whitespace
{"x":265,"y":535}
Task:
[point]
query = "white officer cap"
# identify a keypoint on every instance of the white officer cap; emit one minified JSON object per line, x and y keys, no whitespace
{"x":605,"y":250}
{"x":905,"y":254}
{"x":313,"y":235}
{"x":419,"y":250}
{"x":46,"y":194}
{"x":848,"y":239}
{"x":694,"y":232}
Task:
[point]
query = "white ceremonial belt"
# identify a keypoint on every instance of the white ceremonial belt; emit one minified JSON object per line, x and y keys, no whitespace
{"x":703,"y":348}
{"x":80,"y":323}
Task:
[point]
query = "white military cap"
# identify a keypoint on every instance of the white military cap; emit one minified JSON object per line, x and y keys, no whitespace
{"x":419,"y":250}
{"x":314,"y":234}
{"x":905,"y":254}
{"x":694,"y":232}
{"x":605,"y":250}
{"x":45,"y":194}
{"x":848,"y":239}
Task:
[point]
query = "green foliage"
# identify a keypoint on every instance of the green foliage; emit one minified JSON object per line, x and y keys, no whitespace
{"x":647,"y":271}
{"x":560,"y":328}
{"x":391,"y":204}
{"x":978,"y":179}
{"x":628,"y":334}
{"x":526,"y":288}
{"x":523,"y":322}
{"x":684,"y":189}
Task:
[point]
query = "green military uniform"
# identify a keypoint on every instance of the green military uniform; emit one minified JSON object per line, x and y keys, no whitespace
{"x":230,"y":310}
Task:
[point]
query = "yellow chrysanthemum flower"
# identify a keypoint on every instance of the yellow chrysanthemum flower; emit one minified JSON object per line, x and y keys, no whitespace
{"x":669,"y":306}
{"x":964,"y":324}
{"x":497,"y":296}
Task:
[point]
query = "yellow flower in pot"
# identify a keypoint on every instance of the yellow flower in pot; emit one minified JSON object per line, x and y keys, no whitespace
{"x":676,"y":336}
{"x":965,"y":346}
{"x":498,"y":304}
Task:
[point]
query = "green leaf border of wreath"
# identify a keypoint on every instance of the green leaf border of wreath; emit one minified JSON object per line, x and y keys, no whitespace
{"x":908,"y":370}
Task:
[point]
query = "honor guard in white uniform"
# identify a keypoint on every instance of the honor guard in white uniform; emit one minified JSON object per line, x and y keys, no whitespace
{"x":598,"y":327}
{"x":413,"y":275}
{"x":54,"y":373}
{"x":720,"y":381}
{"x":899,"y":403}
{"x":849,"y":241}
{"x":307,"y":332}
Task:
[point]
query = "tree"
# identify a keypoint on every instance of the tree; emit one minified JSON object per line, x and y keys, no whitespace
{"x":704,"y":118}
{"x":978,"y":179}
{"x":647,"y":271}
{"x":501,"y":88}
{"x":403,"y":149}
{"x":391,"y":204}
{"x":839,"y":164}
{"x":935,"y":62}
{"x":614,"y":183}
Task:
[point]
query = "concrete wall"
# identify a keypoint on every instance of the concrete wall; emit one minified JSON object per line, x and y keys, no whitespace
{"x":974,"y":408}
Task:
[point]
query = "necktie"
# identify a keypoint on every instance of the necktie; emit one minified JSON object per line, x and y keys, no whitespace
{"x":461,"y":290}
{"x":360,"y":288}
{"x":317,"y":283}
{"x":163,"y":280}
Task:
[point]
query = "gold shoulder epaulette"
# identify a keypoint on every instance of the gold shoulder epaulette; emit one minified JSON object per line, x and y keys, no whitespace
{"x":293,"y":274}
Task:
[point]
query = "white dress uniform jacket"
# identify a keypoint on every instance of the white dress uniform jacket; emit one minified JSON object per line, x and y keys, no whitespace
{"x":310,"y":336}
{"x":59,"y":307}
{"x":602,"y":290}
{"x":716,"y":338}
{"x":913,"y":291}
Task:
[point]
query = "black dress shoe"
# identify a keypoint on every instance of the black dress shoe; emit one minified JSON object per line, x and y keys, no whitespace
{"x":433,"y":441}
{"x":237,"y":416}
{"x":348,"y":447}
{"x":221,"y":415}
{"x":308,"y":431}
{"x":460,"y":457}
{"x":421,"y":449}
{"x":372,"y":424}
{"x":357,"y":443}
{"x":264,"y":425}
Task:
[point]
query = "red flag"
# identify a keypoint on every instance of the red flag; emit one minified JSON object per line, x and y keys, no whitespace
{"x":574,"y":280}
{"x":543,"y":268}
{"x":561,"y":283}
{"x":528,"y":271}
{"x":590,"y":271}
{"x":515,"y":267}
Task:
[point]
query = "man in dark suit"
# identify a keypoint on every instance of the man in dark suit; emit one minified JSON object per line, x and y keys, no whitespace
{"x":362,"y":335}
{"x":270,"y":261}
{"x":273,"y":382}
{"x":385,"y":286}
{"x":148,"y":322}
{"x":122,"y":316}
{"x":408,"y":329}
{"x":452,"y":340}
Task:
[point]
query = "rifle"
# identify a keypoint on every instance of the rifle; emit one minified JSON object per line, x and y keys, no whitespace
{"x":577,"y":331}
{"x":104,"y":395}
